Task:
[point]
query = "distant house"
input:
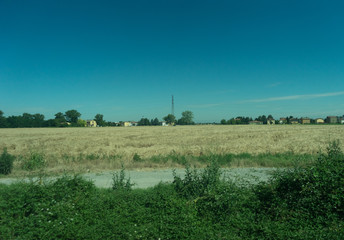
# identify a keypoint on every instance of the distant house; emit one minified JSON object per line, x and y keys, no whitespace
{"x":91,"y":123}
{"x":340,"y":120}
{"x":163,"y":123}
{"x":319,"y":121}
{"x":129,"y":124}
{"x":255,"y":122}
{"x":294,"y":121}
{"x":270,"y":121}
{"x":305,"y":120}
{"x":283,"y":121}
{"x":332,"y":119}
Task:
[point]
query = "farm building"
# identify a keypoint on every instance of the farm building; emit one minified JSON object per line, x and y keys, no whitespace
{"x":129,"y":124}
{"x":294,"y":121}
{"x":163,"y":123}
{"x":319,"y":121}
{"x":91,"y":123}
{"x":126,"y":124}
{"x":270,"y":121}
{"x":305,"y":120}
{"x":332,"y":119}
{"x":283,"y":121}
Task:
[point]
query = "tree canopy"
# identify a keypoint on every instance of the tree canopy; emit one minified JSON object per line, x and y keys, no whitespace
{"x":186,"y":119}
{"x":170,"y":119}
{"x":72,"y":116}
{"x":99,"y":118}
{"x":144,"y":122}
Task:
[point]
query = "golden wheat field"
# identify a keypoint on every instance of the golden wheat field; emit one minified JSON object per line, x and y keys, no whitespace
{"x":108,"y":147}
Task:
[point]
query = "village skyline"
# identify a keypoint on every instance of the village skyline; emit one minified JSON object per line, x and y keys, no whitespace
{"x":72,"y":118}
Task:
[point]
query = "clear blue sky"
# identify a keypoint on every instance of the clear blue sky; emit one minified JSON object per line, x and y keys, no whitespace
{"x":220,"y":59}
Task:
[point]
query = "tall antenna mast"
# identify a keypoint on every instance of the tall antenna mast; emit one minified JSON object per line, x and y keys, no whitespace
{"x":172,"y":106}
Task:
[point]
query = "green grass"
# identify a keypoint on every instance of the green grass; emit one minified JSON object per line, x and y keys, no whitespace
{"x":305,"y":202}
{"x":287,"y":159}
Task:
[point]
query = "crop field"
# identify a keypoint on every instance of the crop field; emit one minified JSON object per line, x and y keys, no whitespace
{"x":95,"y":149}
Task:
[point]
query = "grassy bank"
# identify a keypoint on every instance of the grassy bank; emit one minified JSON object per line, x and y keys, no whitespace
{"x":303,"y":203}
{"x":37,"y":163}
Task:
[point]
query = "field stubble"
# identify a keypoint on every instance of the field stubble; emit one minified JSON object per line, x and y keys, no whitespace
{"x":97,"y":149}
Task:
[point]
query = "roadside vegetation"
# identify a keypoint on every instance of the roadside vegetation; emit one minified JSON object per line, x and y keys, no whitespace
{"x":304,"y":202}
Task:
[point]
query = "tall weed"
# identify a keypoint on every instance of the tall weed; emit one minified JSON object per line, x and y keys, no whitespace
{"x":35,"y":160}
{"x":6,"y":162}
{"x":120,"y":181}
{"x":197,"y":182}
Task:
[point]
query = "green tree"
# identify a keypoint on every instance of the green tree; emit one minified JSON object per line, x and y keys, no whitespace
{"x":223,"y":121}
{"x":81,"y":123}
{"x":26,"y":120}
{"x":186,"y":119}
{"x":99,"y":118}
{"x":231,"y":121}
{"x":60,"y":115}
{"x":155,"y":122}
{"x":262,"y":119}
{"x":38,"y":120}
{"x":3,"y":121}
{"x":170,"y":119}
{"x":144,"y":122}
{"x":60,"y":120}
{"x":72,"y":116}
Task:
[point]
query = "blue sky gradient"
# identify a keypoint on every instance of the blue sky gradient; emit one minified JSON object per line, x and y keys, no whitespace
{"x":124,"y":59}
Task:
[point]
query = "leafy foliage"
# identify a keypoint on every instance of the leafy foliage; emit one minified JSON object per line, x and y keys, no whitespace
{"x":72,"y":116}
{"x":301,"y":203}
{"x":186,"y":119}
{"x":316,"y":191}
{"x":35,"y":160}
{"x":120,"y":182}
{"x":197,"y":183}
{"x":170,"y":119}
{"x":6,"y":162}
{"x":99,"y":118}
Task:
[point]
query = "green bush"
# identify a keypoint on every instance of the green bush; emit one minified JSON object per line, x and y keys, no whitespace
{"x":120,"y":182}
{"x":317,"y":191}
{"x":137,"y":158}
{"x":197,"y":183}
{"x":34,"y":161}
{"x":6,"y":162}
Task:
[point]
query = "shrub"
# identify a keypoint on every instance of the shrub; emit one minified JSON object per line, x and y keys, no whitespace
{"x":316,"y":190}
{"x":197,"y":183}
{"x":137,"y":158}
{"x":34,"y":161}
{"x":6,"y":162}
{"x":120,"y":182}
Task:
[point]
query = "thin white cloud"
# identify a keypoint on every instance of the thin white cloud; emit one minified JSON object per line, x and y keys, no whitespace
{"x":295,"y":97}
{"x":205,"y":105}
{"x":273,"y":85}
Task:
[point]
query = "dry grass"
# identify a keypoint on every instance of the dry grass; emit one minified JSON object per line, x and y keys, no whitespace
{"x":106,"y":148}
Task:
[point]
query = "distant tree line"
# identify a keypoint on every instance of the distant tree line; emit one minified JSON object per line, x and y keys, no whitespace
{"x":186,"y":119}
{"x":71,"y":118}
{"x":246,"y":120}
